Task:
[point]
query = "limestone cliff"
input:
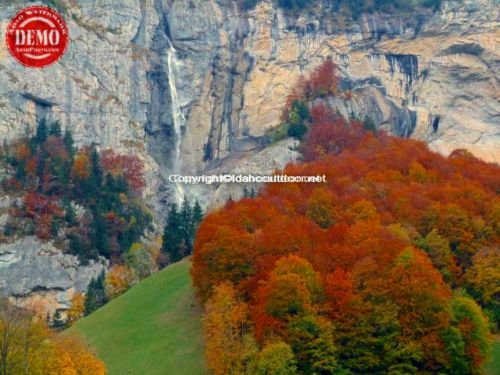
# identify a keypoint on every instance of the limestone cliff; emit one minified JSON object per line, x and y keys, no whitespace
{"x":133,"y":64}
{"x":34,"y":273}
{"x":192,"y":85}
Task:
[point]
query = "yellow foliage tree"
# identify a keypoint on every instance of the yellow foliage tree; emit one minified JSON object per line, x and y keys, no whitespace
{"x":320,"y":207}
{"x":28,"y":346}
{"x":77,"y":308}
{"x":484,"y":275}
{"x":224,"y":324}
{"x":118,"y":280}
{"x":81,"y":166}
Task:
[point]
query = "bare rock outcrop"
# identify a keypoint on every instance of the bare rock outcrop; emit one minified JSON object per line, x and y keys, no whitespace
{"x":35,"y":273}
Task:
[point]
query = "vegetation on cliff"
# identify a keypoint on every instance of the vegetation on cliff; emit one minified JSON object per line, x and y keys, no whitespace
{"x":389,"y":267}
{"x":87,"y":201}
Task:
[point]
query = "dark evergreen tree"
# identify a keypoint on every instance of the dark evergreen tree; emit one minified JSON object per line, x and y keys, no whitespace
{"x":369,"y":125}
{"x":57,"y":321}
{"x":98,"y":233}
{"x":96,"y":172}
{"x":69,"y":143}
{"x":20,"y":174}
{"x":82,"y":249}
{"x":186,"y":224}
{"x":180,"y":230}
{"x":41,"y":132}
{"x":196,"y":218}
{"x":55,"y":129}
{"x":298,"y":119}
{"x":246,"y":193}
{"x":249,"y":193}
{"x":172,"y":235}
{"x":69,"y":212}
{"x":96,"y":294}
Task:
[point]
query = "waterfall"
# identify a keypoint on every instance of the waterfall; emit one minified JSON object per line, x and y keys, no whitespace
{"x":178,"y":119}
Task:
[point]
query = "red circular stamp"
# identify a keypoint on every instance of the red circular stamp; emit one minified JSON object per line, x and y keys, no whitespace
{"x":37,"y":36}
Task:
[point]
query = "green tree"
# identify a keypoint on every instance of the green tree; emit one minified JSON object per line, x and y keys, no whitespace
{"x":172,"y":235}
{"x":69,"y":212}
{"x":96,"y":294}
{"x":197,"y":216}
{"x":57,"y":321}
{"x":298,"y":118}
{"x":312,"y":342}
{"x":369,"y":124}
{"x":276,"y":358}
{"x":455,"y":347}
{"x":41,"y":132}
{"x":91,"y":187}
{"x":473,"y":327}
{"x":439,"y":252}
{"x":69,"y":143}
{"x":98,"y":233}
{"x":55,"y":129}
{"x":180,"y":230}
{"x":139,"y":259}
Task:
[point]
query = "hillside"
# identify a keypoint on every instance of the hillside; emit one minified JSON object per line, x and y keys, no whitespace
{"x":493,"y":366}
{"x":154,"y":328}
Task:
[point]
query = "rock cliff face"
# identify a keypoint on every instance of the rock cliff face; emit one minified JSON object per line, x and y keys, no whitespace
{"x":433,"y":76}
{"x":35,"y":273}
{"x":191,"y":85}
{"x":135,"y":66}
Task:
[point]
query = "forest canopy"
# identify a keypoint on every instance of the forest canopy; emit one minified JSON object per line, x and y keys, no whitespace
{"x":389,"y":267}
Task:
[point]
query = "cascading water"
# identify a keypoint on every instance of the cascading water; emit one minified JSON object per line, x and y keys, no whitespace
{"x":178,"y":119}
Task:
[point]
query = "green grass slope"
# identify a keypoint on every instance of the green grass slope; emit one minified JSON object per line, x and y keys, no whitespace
{"x":154,"y":328}
{"x":493,"y":367}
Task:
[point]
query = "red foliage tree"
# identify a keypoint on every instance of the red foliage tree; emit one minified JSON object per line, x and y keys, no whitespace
{"x":324,"y":79}
{"x":129,"y":166}
{"x":333,"y":137}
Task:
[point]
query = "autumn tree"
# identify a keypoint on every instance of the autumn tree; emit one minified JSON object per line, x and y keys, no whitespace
{"x":140,"y":259}
{"x":331,"y":138}
{"x":320,"y":207}
{"x":483,"y":279}
{"x":324,"y":80}
{"x":438,"y":249}
{"x":55,"y":178}
{"x":118,"y":280}
{"x":128,"y":166}
{"x":472,"y":327}
{"x":225,"y":325}
{"x":81,"y":166}
{"x":276,"y":358}
{"x":77,"y":308}
{"x":27,"y":346}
